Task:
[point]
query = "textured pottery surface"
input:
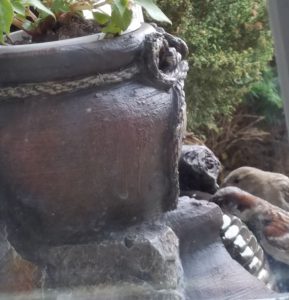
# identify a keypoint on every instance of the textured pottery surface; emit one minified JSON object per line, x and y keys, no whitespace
{"x":89,"y":137}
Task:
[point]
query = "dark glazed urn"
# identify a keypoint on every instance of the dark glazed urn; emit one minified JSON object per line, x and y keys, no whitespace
{"x":89,"y":134}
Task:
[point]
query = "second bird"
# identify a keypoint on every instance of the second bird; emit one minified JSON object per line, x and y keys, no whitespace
{"x":273,"y":187}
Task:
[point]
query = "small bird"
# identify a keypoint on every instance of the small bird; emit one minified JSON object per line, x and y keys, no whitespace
{"x":273,"y":187}
{"x":269,"y":223}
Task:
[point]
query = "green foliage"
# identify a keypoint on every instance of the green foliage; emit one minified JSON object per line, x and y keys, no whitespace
{"x":264,"y":98}
{"x":153,"y":11}
{"x":6,"y":17}
{"x":230,"y":45}
{"x":121,"y":16}
{"x":18,"y":13}
{"x":18,"y":9}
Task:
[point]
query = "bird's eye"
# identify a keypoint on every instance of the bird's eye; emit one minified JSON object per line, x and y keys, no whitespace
{"x":233,"y":206}
{"x":236,"y":180}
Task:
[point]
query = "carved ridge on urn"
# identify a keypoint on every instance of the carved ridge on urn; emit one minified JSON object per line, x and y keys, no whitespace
{"x":164,"y":66}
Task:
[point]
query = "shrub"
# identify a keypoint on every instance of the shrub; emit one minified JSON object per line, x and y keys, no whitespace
{"x":230,"y":46}
{"x":264,"y":97}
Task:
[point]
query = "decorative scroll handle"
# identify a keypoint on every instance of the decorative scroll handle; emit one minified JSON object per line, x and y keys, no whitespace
{"x":164,"y":66}
{"x":163,"y":59}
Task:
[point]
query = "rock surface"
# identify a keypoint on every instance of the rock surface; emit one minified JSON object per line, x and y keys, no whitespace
{"x":199,"y":169}
{"x":148,"y":255}
{"x":181,"y":258}
{"x":108,"y":292}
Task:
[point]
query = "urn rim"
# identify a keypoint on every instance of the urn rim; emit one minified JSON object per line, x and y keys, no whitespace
{"x":70,"y":58}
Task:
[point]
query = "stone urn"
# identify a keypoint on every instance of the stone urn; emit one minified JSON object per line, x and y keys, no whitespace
{"x":89,"y":135}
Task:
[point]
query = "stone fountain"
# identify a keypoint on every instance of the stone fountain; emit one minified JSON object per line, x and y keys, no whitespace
{"x":89,"y":176}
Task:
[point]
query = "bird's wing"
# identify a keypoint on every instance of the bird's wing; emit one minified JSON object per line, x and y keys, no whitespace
{"x":282,"y":183}
{"x":281,"y":243}
{"x":276,"y":232}
{"x":277,"y":247}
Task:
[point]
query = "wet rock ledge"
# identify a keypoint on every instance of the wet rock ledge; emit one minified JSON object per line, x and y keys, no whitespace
{"x":180,"y":256}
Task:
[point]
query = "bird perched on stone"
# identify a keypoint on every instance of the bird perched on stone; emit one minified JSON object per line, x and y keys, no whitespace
{"x":269,"y":223}
{"x":273,"y":187}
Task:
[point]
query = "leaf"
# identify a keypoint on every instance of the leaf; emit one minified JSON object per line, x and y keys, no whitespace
{"x":121,"y":17}
{"x":1,"y":37}
{"x":121,"y":5}
{"x":153,"y":10}
{"x":59,"y":6}
{"x":101,"y":18}
{"x":18,"y":7}
{"x":126,"y":20}
{"x":37,"y":4}
{"x":116,"y":14}
{"x":111,"y":28}
{"x":6,"y":18}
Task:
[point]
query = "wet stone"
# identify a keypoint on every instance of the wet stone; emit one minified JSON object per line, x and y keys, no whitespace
{"x":104,"y":292}
{"x":147,"y":254}
{"x":199,"y":169}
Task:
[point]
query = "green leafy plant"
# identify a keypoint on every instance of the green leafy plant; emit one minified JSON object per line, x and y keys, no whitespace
{"x":230,"y":46}
{"x":264,"y":98}
{"x":36,"y":16}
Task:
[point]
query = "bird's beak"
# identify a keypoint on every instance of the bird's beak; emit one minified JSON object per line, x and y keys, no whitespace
{"x":216,"y":199}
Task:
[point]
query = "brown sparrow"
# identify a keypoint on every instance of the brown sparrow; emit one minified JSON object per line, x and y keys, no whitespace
{"x":273,"y":187}
{"x":269,"y":223}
